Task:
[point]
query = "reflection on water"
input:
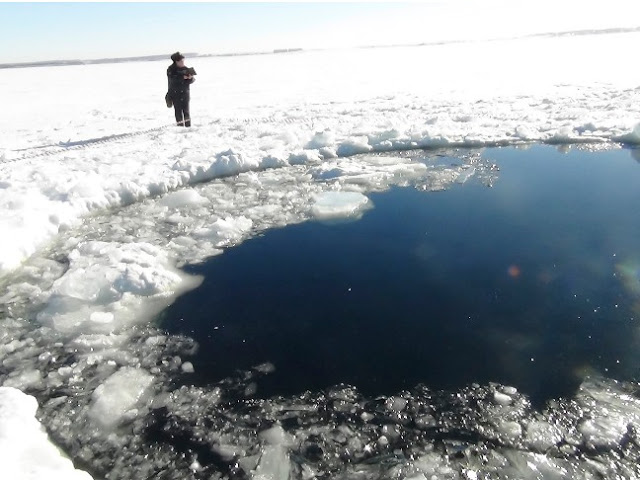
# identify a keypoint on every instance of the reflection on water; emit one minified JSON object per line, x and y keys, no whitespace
{"x":534,"y":283}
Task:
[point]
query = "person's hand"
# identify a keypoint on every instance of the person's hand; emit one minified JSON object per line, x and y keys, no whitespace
{"x":187,"y":77}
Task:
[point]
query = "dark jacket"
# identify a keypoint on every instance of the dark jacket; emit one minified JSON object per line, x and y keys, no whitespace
{"x":178,"y":85}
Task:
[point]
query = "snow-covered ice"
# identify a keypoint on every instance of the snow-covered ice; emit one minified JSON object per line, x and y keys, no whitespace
{"x":25,"y":450}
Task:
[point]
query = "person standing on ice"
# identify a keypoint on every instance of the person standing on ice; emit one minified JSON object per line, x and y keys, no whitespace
{"x":180,"y":78}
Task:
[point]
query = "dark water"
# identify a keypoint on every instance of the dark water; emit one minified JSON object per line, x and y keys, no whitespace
{"x":531,"y":283}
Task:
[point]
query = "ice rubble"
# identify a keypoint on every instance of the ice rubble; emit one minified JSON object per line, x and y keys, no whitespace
{"x":25,"y":450}
{"x":110,"y":285}
{"x":341,"y":434}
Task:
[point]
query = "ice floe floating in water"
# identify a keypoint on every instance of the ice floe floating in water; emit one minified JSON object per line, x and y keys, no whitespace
{"x":331,"y":205}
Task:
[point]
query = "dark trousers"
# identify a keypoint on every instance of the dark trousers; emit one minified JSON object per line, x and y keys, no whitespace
{"x":181,"y":105}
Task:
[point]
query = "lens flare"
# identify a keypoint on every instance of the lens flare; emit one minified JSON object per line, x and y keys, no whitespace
{"x":629,"y":273}
{"x":514,"y":271}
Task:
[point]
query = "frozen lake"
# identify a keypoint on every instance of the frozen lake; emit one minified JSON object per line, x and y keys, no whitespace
{"x":182,"y":303}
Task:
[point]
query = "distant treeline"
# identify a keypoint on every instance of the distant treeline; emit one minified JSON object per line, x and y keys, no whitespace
{"x":62,"y":63}
{"x":147,"y":58}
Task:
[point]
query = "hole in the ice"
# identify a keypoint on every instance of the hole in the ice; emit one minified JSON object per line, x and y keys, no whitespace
{"x":532,"y":283}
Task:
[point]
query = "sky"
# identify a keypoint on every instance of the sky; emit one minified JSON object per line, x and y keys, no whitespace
{"x":49,"y":31}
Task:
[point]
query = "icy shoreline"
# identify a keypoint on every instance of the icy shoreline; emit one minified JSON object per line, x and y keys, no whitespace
{"x":43,"y":195}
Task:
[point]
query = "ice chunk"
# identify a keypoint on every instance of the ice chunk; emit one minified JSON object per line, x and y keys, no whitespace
{"x":633,"y":137}
{"x":275,"y":436}
{"x":183,"y":198}
{"x":25,"y":451}
{"x":542,"y":435}
{"x":114,"y":398}
{"x":614,"y":413}
{"x":304,"y":157}
{"x":339,"y":204}
{"x":227,"y":452}
{"x":187,"y":367}
{"x":603,"y":432}
{"x":466,"y":175}
{"x":101,"y":317}
{"x":510,"y":429}
{"x":353,"y":146}
{"x":274,"y":464}
{"x":233,"y":228}
{"x":396,"y":404}
{"x":366,"y":416}
{"x":502,"y":399}
{"x":534,"y":466}
{"x":24,"y":379}
{"x":321,"y":140}
{"x":470,"y":474}
{"x":265,"y":368}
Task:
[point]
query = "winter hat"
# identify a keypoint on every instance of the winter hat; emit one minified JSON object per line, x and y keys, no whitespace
{"x":176,"y":57}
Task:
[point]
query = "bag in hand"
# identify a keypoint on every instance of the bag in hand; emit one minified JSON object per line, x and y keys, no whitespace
{"x":167,"y":99}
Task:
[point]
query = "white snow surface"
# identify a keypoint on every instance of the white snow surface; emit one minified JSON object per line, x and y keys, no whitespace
{"x":270,"y":111}
{"x":25,"y":450}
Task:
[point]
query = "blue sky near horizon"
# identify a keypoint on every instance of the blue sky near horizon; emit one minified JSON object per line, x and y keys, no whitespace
{"x":38,"y":31}
{"x":48,"y":31}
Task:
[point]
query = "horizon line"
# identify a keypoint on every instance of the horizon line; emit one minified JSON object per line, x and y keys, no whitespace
{"x":142,"y":58}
